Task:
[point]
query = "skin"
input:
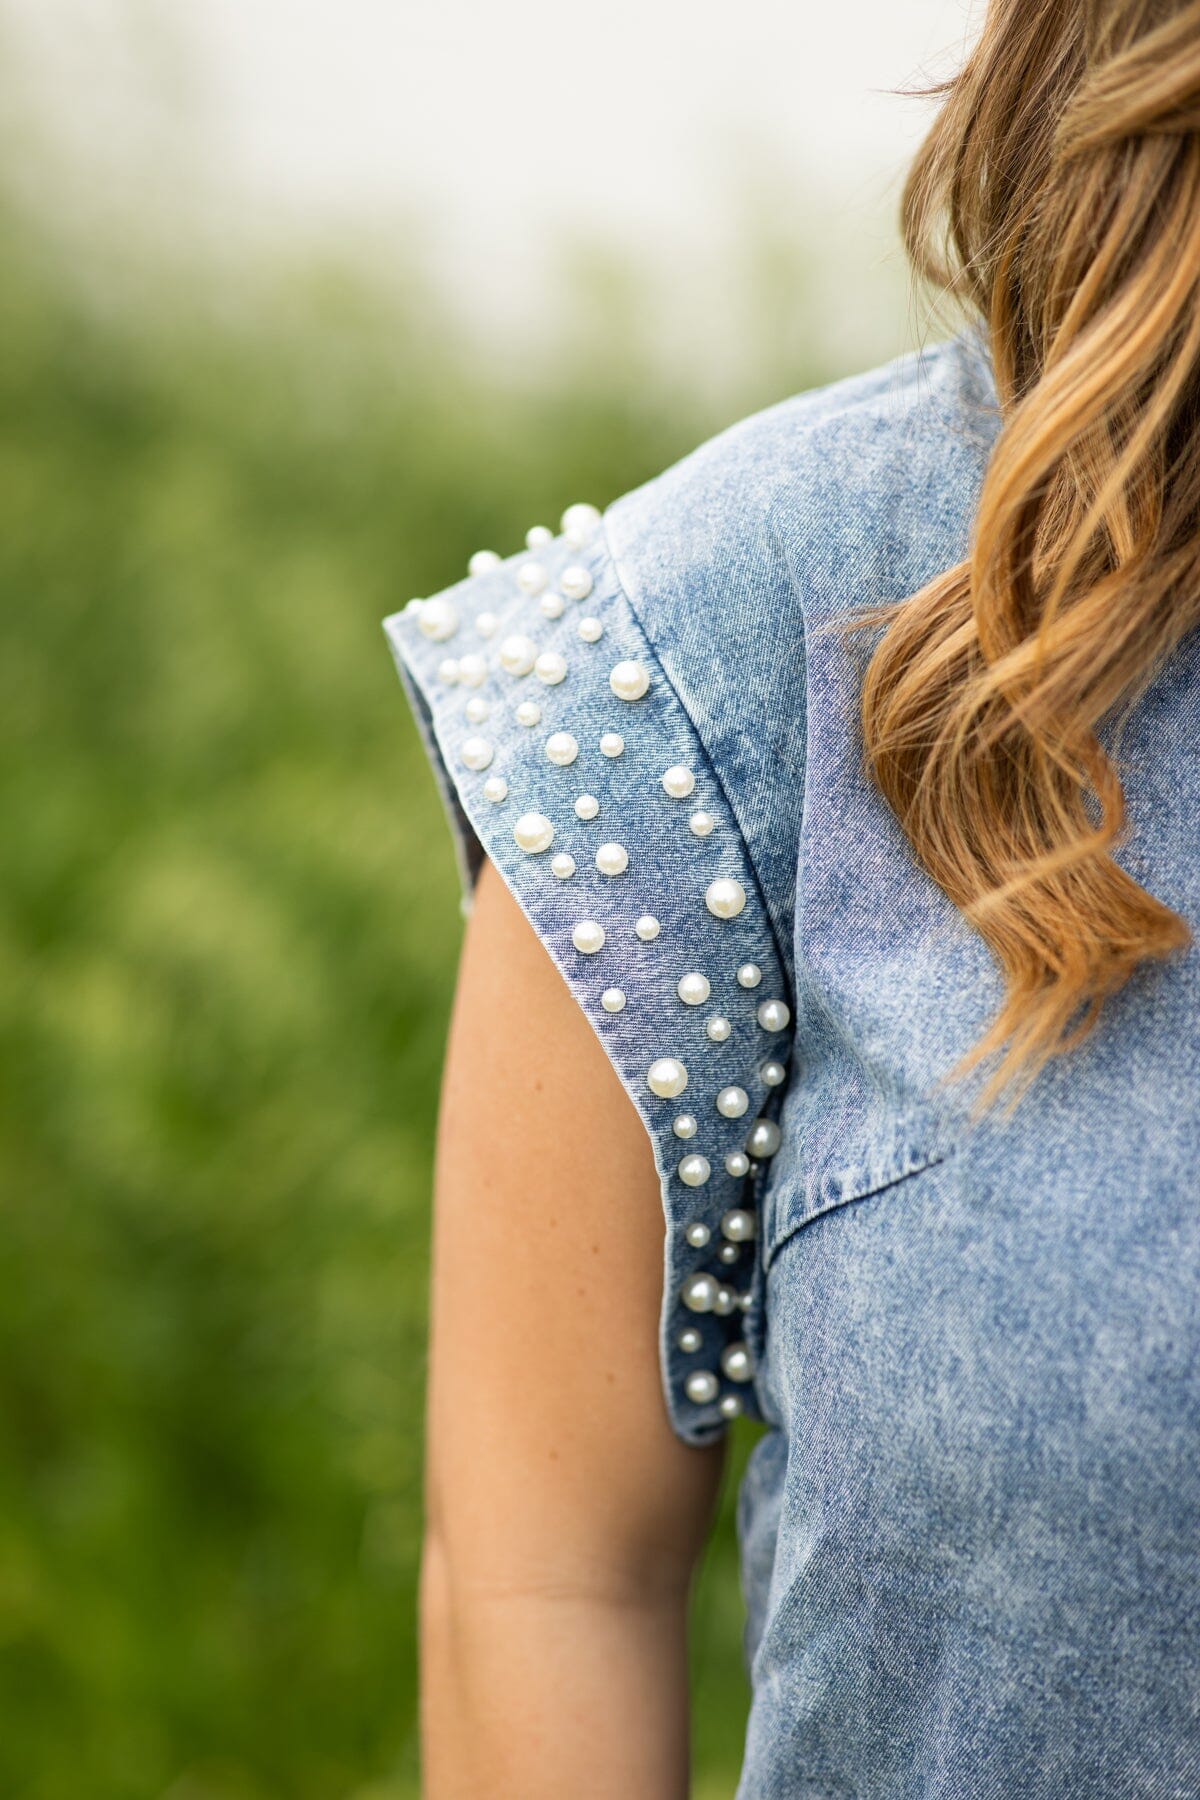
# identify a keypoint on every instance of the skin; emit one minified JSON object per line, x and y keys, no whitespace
{"x":564,"y":1518}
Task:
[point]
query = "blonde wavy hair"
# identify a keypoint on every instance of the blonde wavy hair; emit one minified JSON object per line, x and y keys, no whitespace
{"x":1057,"y":195}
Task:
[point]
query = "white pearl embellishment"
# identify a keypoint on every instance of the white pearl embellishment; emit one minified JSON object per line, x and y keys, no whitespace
{"x":678,"y":782}
{"x":693,"y":989}
{"x":700,"y":1293}
{"x":550,"y":667}
{"x":702,"y":824}
{"x":531,"y":578}
{"x":738,"y":1225}
{"x":477,"y":753}
{"x":575,"y":582}
{"x":764,"y":1139}
{"x":486,"y":623}
{"x":725,"y":898}
{"x":689,"y":1340}
{"x":529,"y":713}
{"x":686,"y":1126}
{"x":551,"y":606}
{"x":694,"y":1170}
{"x":448,"y":671}
{"x":732,"y":1102}
{"x":717,"y":1028}
{"x":737,"y":1164}
{"x":612,"y":744}
{"x":697,"y":1235}
{"x":537,"y":537}
{"x":533,"y":832}
{"x":736,"y":1363}
{"x":666,"y":1077}
{"x":749,"y":975}
{"x":477,"y":709}
{"x":588,"y":937}
{"x":612,"y":859}
{"x":563,"y":865}
{"x":495,"y":788}
{"x":647,"y":928}
{"x":590,"y":630}
{"x":561,"y":748}
{"x":518,"y":654}
{"x":773,"y":1074}
{"x":579,"y":524}
{"x":628,"y":680}
{"x":587,"y":806}
{"x":701,"y":1386}
{"x":438,"y":619}
{"x":613,"y":1000}
{"x":472,"y":669}
{"x":482,"y":561}
{"x":773,"y":1015}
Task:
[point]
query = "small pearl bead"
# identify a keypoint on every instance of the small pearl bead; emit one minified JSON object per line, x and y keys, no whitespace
{"x":749,"y":975}
{"x":703,"y":824}
{"x":693,"y":989}
{"x":613,"y":1000}
{"x":529,"y":713}
{"x":773,"y":1015}
{"x":686,"y":1125}
{"x":737,"y":1164}
{"x":472,"y":669}
{"x":587,"y":806}
{"x":699,"y":1293}
{"x":745,"y":1301}
{"x":563,"y":865}
{"x":588,"y":937}
{"x":628,"y":680}
{"x":551,"y":606}
{"x":736,"y":1362}
{"x":531,"y":578}
{"x":414,"y":607}
{"x":666,"y":1077}
{"x":579,"y":524}
{"x":738,"y":1225}
{"x":517,"y":654}
{"x":477,"y":709}
{"x":612,"y":744}
{"x":550,"y":667}
{"x":717,"y":1028}
{"x":697,"y":1235}
{"x":612,"y":859}
{"x":448,"y":671}
{"x":486,"y":623}
{"x":773,"y":1074}
{"x":678,"y":782}
{"x":764,"y":1139}
{"x":495,"y":788}
{"x":728,"y":1253}
{"x":701,"y":1386}
{"x":537,"y":537}
{"x":647,"y":928}
{"x":689,"y":1340}
{"x":730,"y":1406}
{"x":590,"y":630}
{"x":732,"y":1102}
{"x":725,"y":1302}
{"x":695,"y":1170}
{"x":533,"y":832}
{"x":482,"y":561}
{"x":438,"y":619}
{"x":561,"y":748}
{"x":477,"y":753}
{"x":725,"y":899}
{"x":575,"y":582}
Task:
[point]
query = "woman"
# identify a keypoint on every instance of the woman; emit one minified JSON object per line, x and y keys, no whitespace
{"x":864,"y":957}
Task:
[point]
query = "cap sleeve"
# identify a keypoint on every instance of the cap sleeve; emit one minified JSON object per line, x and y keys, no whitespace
{"x":565,"y":753}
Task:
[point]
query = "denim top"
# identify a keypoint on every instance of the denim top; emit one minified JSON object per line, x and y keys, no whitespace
{"x":970,"y":1537}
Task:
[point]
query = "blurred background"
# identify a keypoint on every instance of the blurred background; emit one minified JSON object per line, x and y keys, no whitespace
{"x":300,"y":303}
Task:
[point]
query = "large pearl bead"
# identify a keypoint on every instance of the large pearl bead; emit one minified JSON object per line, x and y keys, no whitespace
{"x":472,"y":669}
{"x":773,"y":1015}
{"x":476,"y":752}
{"x":629,"y":680}
{"x":551,"y":606}
{"x":693,"y":989}
{"x":612,"y":859}
{"x":588,"y":937}
{"x":495,"y":788}
{"x":438,"y":619}
{"x":737,"y":1164}
{"x":749,"y":975}
{"x":647,"y":928}
{"x":613,"y":1000}
{"x":737,"y":1362}
{"x":550,"y":667}
{"x":575,"y":582}
{"x":563,"y":865}
{"x":590,"y":630}
{"x":764,"y":1139}
{"x":531,"y":578}
{"x":533,"y":832}
{"x":702,"y":824}
{"x":561,"y":748}
{"x":537,"y":537}
{"x":678,"y":782}
{"x":686,"y":1125}
{"x":717,"y":1028}
{"x":732,"y":1102}
{"x":694,"y":1170}
{"x":697,"y":1234}
{"x":725,"y":898}
{"x":699,"y":1293}
{"x":587,"y":806}
{"x":482,"y":561}
{"x":701,"y":1386}
{"x":518,"y":653}
{"x":689,"y":1340}
{"x":529,"y":714}
{"x":580,"y":523}
{"x":738,"y":1225}
{"x":666,"y":1077}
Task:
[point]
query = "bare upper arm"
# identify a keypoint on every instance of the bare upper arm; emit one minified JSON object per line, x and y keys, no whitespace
{"x":550,"y":1456}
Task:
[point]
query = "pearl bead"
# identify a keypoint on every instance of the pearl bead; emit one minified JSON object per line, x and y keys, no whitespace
{"x":697,"y":1234}
{"x":678,"y":782}
{"x":745,"y":1301}
{"x":477,"y":709}
{"x":699,"y":1293}
{"x":686,"y":1125}
{"x":563,"y":865}
{"x":693,"y":989}
{"x":732,"y":1102}
{"x":561,"y":748}
{"x":773,"y":1074}
{"x":413,"y":607}
{"x":666,"y":1077}
{"x":518,"y":654}
{"x":551,"y":606}
{"x":749,"y":975}
{"x":628,"y":680}
{"x":736,"y":1362}
{"x":728,"y":1253}
{"x":529,"y":713}
{"x":575,"y":582}
{"x":438,"y":619}
{"x":613,"y":1000}
{"x":448,"y":671}
{"x":531,"y":578}
{"x":533,"y":832}
{"x":612,"y":859}
{"x":689,"y":1340}
{"x":725,"y":898}
{"x":579,"y":524}
{"x":486,"y":623}
{"x":477,"y":753}
{"x":737,"y":1164}
{"x":647,"y":928}
{"x":587,"y":806}
{"x":537,"y":537}
{"x":590,"y":630}
{"x":738,"y":1225}
{"x":717,"y":1028}
{"x":730,"y":1406}
{"x":612,"y":744}
{"x":773,"y":1015}
{"x":725,"y":1302}
{"x":588,"y":937}
{"x":495,"y":788}
{"x":764,"y":1139}
{"x":472,"y":669}
{"x":702,"y":824}
{"x":695,"y":1170}
{"x":482,"y":561}
{"x":701,"y":1386}
{"x":550,"y":667}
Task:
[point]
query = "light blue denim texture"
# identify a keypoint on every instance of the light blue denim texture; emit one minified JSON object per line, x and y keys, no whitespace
{"x":970,"y":1536}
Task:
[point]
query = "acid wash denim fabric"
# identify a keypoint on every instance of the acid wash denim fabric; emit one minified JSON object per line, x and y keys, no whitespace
{"x":970,"y":1535}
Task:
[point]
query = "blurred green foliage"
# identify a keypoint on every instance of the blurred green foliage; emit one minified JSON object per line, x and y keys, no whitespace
{"x":228,"y":936}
